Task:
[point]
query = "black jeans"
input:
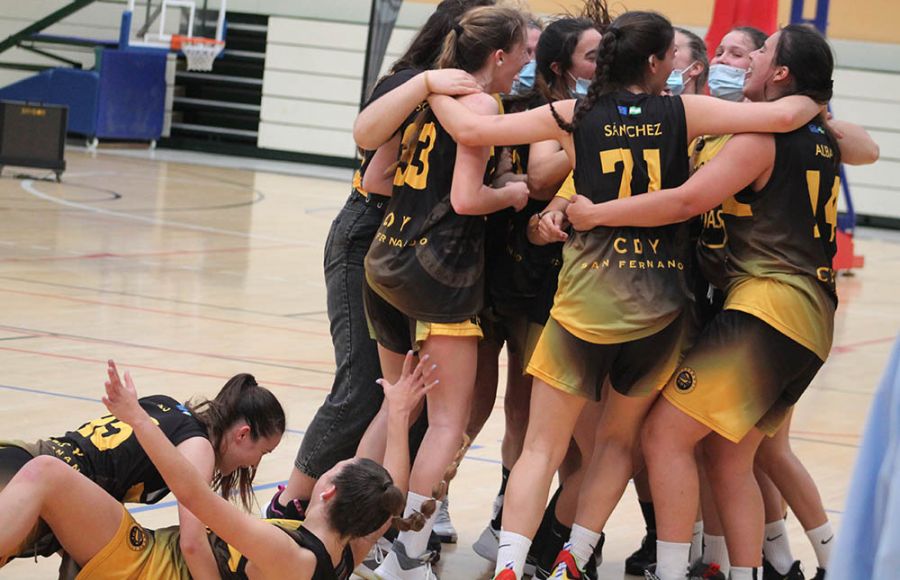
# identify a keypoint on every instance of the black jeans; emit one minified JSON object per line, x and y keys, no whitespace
{"x":334,"y":433}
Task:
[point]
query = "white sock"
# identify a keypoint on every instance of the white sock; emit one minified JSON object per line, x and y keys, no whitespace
{"x":672,"y":560}
{"x":738,"y":573}
{"x":715,"y":551}
{"x":821,"y":539}
{"x":776,"y":548}
{"x":416,"y":542}
{"x":511,"y":553}
{"x":583,"y":541}
{"x":697,"y":542}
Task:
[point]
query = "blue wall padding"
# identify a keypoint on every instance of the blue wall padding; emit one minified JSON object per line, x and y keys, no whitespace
{"x":125,"y":100}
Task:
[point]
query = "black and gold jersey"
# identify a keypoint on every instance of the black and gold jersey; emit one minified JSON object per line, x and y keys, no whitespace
{"x":777,"y":263}
{"x":232,"y":564}
{"x":384,"y":86}
{"x":625,"y":283}
{"x":107,"y":452}
{"x":427,"y":260}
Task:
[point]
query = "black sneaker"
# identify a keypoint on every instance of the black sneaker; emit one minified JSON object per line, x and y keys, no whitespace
{"x":641,"y":560}
{"x":704,"y":571}
{"x":294,"y":510}
{"x":795,"y":573}
{"x":820,"y":574}
{"x":434,"y":546}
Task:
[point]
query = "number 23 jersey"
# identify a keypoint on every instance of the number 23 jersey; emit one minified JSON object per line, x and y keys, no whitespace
{"x":426,"y":260}
{"x":619,"y":284}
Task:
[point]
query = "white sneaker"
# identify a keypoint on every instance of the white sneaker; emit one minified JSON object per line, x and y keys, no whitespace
{"x":399,"y":566}
{"x":489,"y":541}
{"x":487,"y":544}
{"x":443,"y":527}
{"x":374,"y":558}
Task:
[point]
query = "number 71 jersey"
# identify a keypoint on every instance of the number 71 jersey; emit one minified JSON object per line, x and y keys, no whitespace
{"x":625,"y":283}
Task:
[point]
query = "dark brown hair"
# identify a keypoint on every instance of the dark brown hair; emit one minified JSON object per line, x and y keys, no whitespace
{"x":241,"y":399}
{"x":622,"y":58}
{"x":808,"y":58}
{"x":366,"y":498}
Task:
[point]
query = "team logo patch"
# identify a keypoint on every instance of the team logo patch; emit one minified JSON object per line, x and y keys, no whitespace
{"x":685,"y":380}
{"x":137,"y":538}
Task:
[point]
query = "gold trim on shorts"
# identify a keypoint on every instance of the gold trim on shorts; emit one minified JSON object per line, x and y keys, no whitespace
{"x":460,"y":329}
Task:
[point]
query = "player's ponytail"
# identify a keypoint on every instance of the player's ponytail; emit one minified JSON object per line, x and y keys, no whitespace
{"x":416,"y":520}
{"x":241,"y":399}
{"x":623,"y":57}
{"x":468,"y":44}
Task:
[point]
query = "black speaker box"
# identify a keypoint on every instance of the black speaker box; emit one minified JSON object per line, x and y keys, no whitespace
{"x":33,"y":135}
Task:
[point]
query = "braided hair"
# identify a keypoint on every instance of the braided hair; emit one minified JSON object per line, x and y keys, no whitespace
{"x":622,"y":58}
{"x":416,"y":520}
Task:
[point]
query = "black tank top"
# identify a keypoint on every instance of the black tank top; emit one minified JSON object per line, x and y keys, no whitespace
{"x":233,"y":565}
{"x":107,"y":452}
{"x":426,"y":260}
{"x":625,"y":283}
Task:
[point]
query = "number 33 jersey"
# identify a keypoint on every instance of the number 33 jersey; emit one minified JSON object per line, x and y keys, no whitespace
{"x":619,"y":284}
{"x":107,"y":452}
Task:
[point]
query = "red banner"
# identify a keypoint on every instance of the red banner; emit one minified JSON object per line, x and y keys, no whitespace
{"x":727,"y":14}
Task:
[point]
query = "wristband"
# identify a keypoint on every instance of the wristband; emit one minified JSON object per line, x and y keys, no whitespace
{"x":427,"y":86}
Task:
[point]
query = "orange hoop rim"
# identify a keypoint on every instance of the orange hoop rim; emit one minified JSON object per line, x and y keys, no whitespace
{"x":179,"y":40}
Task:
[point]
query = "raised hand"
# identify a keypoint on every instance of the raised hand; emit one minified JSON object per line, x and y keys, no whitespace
{"x":404,"y":395}
{"x":121,"y":398}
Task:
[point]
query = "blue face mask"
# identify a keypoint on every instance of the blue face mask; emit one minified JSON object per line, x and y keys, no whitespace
{"x":675,"y":82}
{"x":727,"y":82}
{"x":525,"y":81}
{"x":581,"y":87}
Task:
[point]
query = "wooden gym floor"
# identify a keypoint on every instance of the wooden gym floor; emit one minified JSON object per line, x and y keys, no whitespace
{"x":187,"y":274}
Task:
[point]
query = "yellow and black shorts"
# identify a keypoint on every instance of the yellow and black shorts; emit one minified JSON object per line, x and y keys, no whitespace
{"x":137,"y":553}
{"x":399,"y":333}
{"x":740,"y":374}
{"x":635,"y":368}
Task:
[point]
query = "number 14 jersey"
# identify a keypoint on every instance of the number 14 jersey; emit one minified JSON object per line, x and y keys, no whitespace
{"x":625,"y":283}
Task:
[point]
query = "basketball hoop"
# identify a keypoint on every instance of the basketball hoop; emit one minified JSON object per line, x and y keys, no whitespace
{"x":200,"y":52}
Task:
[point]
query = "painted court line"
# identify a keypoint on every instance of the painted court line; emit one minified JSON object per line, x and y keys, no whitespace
{"x":29,"y":186}
{"x":243,"y":324}
{"x":160,"y":369}
{"x":262,"y":361}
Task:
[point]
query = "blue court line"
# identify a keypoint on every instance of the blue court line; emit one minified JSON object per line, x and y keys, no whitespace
{"x":265,"y":486}
{"x":51,"y":393}
{"x":173,"y":503}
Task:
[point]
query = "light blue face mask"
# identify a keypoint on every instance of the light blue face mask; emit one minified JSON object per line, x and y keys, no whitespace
{"x":581,"y":87}
{"x":727,"y":82}
{"x":675,"y":82}
{"x":525,"y":81}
